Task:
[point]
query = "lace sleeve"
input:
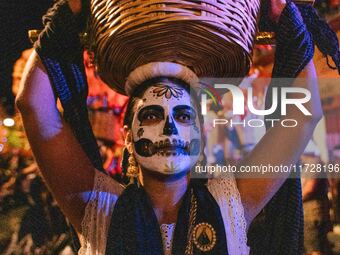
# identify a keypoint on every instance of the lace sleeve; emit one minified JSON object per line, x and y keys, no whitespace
{"x":228,"y":198}
{"x":97,"y":215}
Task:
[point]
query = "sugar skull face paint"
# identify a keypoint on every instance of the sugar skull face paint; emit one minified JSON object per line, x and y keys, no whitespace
{"x":165,"y":130}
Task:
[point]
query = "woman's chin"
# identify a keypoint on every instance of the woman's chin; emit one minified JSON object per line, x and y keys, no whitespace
{"x":167,"y":175}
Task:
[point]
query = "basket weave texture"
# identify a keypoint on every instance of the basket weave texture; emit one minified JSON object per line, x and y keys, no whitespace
{"x":212,"y":37}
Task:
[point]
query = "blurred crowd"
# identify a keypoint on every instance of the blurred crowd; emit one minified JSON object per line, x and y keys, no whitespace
{"x":30,"y":219}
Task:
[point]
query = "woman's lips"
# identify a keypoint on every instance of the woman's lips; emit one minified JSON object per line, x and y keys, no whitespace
{"x":167,"y":147}
{"x":172,"y":151}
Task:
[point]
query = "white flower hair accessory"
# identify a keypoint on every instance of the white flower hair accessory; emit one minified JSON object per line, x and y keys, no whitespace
{"x":160,"y":69}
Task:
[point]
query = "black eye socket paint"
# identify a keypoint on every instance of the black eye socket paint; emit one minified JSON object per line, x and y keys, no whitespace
{"x":185,"y":114}
{"x":150,"y":112}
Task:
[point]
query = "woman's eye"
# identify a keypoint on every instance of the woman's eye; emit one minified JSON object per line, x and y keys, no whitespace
{"x":185,"y":118}
{"x":150,"y":117}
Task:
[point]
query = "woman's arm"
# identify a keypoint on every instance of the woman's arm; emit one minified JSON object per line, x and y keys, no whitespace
{"x":64,"y":165}
{"x":67,"y":167}
{"x":283,"y":145}
{"x":280,"y":146}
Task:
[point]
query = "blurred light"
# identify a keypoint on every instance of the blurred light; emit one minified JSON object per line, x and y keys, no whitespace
{"x":8,"y":122}
{"x":1,"y":147}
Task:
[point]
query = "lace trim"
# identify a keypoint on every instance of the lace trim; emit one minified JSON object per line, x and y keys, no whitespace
{"x":97,"y":214}
{"x":228,"y":198}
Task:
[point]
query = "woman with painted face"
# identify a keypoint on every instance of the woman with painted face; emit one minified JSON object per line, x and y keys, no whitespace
{"x":168,"y":213}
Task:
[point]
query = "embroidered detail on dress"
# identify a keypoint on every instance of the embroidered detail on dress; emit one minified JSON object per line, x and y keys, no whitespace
{"x":167,"y":231}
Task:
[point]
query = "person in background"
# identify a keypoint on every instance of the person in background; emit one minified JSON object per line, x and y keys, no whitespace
{"x":316,"y":204}
{"x":315,"y":187}
{"x":107,"y":109}
{"x":335,"y":189}
{"x":18,"y":69}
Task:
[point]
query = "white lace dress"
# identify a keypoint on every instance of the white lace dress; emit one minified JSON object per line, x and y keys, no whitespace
{"x":105,"y":193}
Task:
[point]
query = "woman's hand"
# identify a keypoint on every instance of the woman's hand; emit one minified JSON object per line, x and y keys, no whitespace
{"x":275,"y":9}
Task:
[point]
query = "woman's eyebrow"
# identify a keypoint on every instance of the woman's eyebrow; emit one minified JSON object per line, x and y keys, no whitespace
{"x":156,"y":108}
{"x":184,"y":107}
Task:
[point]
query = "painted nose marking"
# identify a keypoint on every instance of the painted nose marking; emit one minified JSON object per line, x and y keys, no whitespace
{"x":170,"y":127}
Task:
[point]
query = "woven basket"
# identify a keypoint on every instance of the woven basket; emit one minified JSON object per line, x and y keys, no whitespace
{"x":212,"y":37}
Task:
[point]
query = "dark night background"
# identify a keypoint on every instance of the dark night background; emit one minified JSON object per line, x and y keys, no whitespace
{"x":16,"y":18}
